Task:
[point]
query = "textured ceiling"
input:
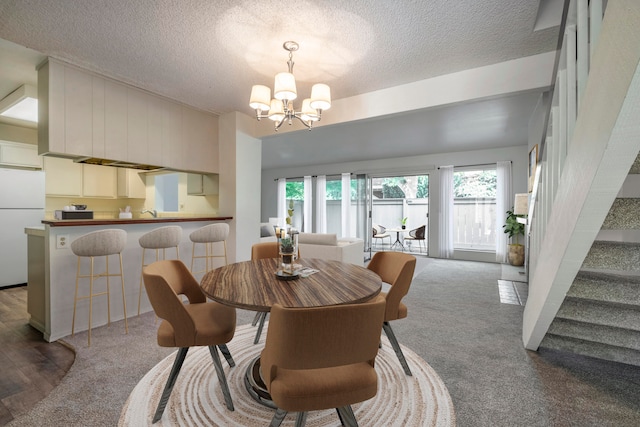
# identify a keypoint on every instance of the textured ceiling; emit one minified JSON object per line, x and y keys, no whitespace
{"x":208,"y":54}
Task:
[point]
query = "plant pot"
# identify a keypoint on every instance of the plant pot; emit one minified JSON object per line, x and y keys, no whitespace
{"x":516,"y":255}
{"x":404,"y":226}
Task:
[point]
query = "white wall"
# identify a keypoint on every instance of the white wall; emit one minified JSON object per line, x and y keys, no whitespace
{"x":415,"y":165}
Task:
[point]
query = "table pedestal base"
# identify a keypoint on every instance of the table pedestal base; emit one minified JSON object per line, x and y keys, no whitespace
{"x":255,"y":386}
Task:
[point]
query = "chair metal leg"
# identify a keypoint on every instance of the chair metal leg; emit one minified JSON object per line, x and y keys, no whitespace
{"x":222,"y":379}
{"x":278,"y":417}
{"x":396,"y":347}
{"x":227,"y":354}
{"x":256,"y":318}
{"x":260,"y":326}
{"x":301,"y":419}
{"x":124,"y":299}
{"x":347,"y":417}
{"x":171,"y":381}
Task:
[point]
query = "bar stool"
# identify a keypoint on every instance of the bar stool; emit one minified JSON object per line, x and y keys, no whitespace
{"x":96,"y":244}
{"x":208,"y":235}
{"x":161,"y":238}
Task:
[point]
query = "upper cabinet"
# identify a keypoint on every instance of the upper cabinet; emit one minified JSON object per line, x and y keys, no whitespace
{"x":131,"y":184}
{"x":19,"y":155}
{"x":64,"y":177}
{"x":84,"y":114}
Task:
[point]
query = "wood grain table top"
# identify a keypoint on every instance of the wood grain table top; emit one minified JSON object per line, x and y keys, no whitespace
{"x":252,"y":285}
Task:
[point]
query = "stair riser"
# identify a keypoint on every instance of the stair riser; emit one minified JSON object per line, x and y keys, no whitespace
{"x":615,"y":315}
{"x":597,"y":350}
{"x":603,"y":334}
{"x":606,"y":288}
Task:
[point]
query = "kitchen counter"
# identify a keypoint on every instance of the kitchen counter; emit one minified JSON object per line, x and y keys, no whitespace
{"x":52,"y":270}
{"x":121,"y":221}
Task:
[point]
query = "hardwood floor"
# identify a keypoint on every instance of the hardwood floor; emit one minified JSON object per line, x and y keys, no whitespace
{"x":30,"y":367}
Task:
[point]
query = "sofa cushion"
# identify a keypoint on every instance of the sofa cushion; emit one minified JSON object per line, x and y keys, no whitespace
{"x":267,"y":230}
{"x":318,"y":239}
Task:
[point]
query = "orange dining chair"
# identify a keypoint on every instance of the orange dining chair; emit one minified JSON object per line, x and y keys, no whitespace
{"x":322,"y":358}
{"x":197,"y":323}
{"x":396,"y":269}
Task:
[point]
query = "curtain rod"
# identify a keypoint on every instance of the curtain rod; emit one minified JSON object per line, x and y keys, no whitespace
{"x":312,"y":176}
{"x":481,"y":164}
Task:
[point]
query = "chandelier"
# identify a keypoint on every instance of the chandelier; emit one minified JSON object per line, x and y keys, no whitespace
{"x":280,"y":109}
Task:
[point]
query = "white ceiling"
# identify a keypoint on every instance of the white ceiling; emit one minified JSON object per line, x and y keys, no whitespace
{"x":208,"y":55}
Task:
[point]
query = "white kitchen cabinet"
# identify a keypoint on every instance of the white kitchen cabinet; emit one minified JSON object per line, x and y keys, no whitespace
{"x":131,"y":184}
{"x":115,"y":121}
{"x":201,"y":140}
{"x":20,"y":155}
{"x":63,"y":177}
{"x":201,"y":184}
{"x":78,"y":112}
{"x":99,"y":181}
{"x":137,"y":126}
{"x":86,"y":115}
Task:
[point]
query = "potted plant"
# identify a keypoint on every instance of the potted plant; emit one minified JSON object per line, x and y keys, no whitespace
{"x":403,"y":221}
{"x":515,"y":228}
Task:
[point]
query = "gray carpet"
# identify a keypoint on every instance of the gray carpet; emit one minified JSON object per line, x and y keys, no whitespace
{"x":456,"y":323}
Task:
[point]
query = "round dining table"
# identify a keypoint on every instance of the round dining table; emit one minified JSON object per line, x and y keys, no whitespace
{"x":254,"y":285}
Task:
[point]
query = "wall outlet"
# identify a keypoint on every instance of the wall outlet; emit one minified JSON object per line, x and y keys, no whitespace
{"x":62,"y":241}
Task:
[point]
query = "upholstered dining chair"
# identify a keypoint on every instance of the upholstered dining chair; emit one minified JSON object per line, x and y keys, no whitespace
{"x":322,"y":358}
{"x":197,"y":323}
{"x":263,"y":251}
{"x":396,"y":269}
{"x":380,"y":233}
{"x":418,"y":235}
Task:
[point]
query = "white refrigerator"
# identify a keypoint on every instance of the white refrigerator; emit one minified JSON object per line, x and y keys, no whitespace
{"x":21,"y":205}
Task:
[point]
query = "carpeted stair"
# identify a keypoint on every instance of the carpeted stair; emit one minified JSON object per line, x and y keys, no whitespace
{"x":600,"y":316}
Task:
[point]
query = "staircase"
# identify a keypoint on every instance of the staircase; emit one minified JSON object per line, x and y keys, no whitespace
{"x":600,"y":316}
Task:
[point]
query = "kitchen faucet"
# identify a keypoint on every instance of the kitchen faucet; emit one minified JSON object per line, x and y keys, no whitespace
{"x":154,"y":213}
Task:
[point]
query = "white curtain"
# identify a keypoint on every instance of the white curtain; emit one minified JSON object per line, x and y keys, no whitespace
{"x":307,"y":224}
{"x":282,"y":200}
{"x":346,"y":205}
{"x":321,"y":204}
{"x":445,"y":232}
{"x":504,"y":202}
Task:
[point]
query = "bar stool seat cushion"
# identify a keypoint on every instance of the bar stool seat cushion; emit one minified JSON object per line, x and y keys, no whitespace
{"x":210,"y":233}
{"x":161,"y":238}
{"x":100,"y":243}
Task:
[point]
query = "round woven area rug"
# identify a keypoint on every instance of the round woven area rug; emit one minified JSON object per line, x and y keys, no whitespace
{"x":196,"y":400}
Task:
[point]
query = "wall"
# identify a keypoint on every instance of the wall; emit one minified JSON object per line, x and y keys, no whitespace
{"x":18,"y":134}
{"x":414,"y":165}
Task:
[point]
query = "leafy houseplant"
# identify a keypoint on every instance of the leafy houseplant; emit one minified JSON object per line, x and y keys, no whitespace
{"x":515,"y":228}
{"x":403,"y":221}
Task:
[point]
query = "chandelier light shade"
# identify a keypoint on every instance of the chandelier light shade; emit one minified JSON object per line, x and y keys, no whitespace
{"x":280,"y":108}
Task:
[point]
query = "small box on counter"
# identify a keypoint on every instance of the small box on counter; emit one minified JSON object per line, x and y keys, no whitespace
{"x":75,"y":214}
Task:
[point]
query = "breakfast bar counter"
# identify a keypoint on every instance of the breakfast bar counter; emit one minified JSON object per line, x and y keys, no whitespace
{"x":52,"y":270}
{"x":122,"y":221}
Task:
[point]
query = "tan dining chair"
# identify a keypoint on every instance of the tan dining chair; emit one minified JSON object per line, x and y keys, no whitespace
{"x":322,"y":358}
{"x":197,"y":323}
{"x":380,"y":233}
{"x":263,"y":250}
{"x":418,"y":235}
{"x":396,"y":269}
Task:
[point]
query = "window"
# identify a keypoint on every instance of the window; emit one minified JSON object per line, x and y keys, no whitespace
{"x":474,"y":208}
{"x":166,"y":197}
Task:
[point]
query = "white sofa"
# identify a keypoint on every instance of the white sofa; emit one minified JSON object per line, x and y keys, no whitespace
{"x":328,"y":246}
{"x":323,"y":246}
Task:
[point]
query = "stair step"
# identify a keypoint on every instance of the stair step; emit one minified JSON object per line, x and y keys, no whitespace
{"x":596,"y":333}
{"x":606,"y":287}
{"x":593,"y":349}
{"x":623,"y":215}
{"x":600,"y":313}
{"x":607,"y":255}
